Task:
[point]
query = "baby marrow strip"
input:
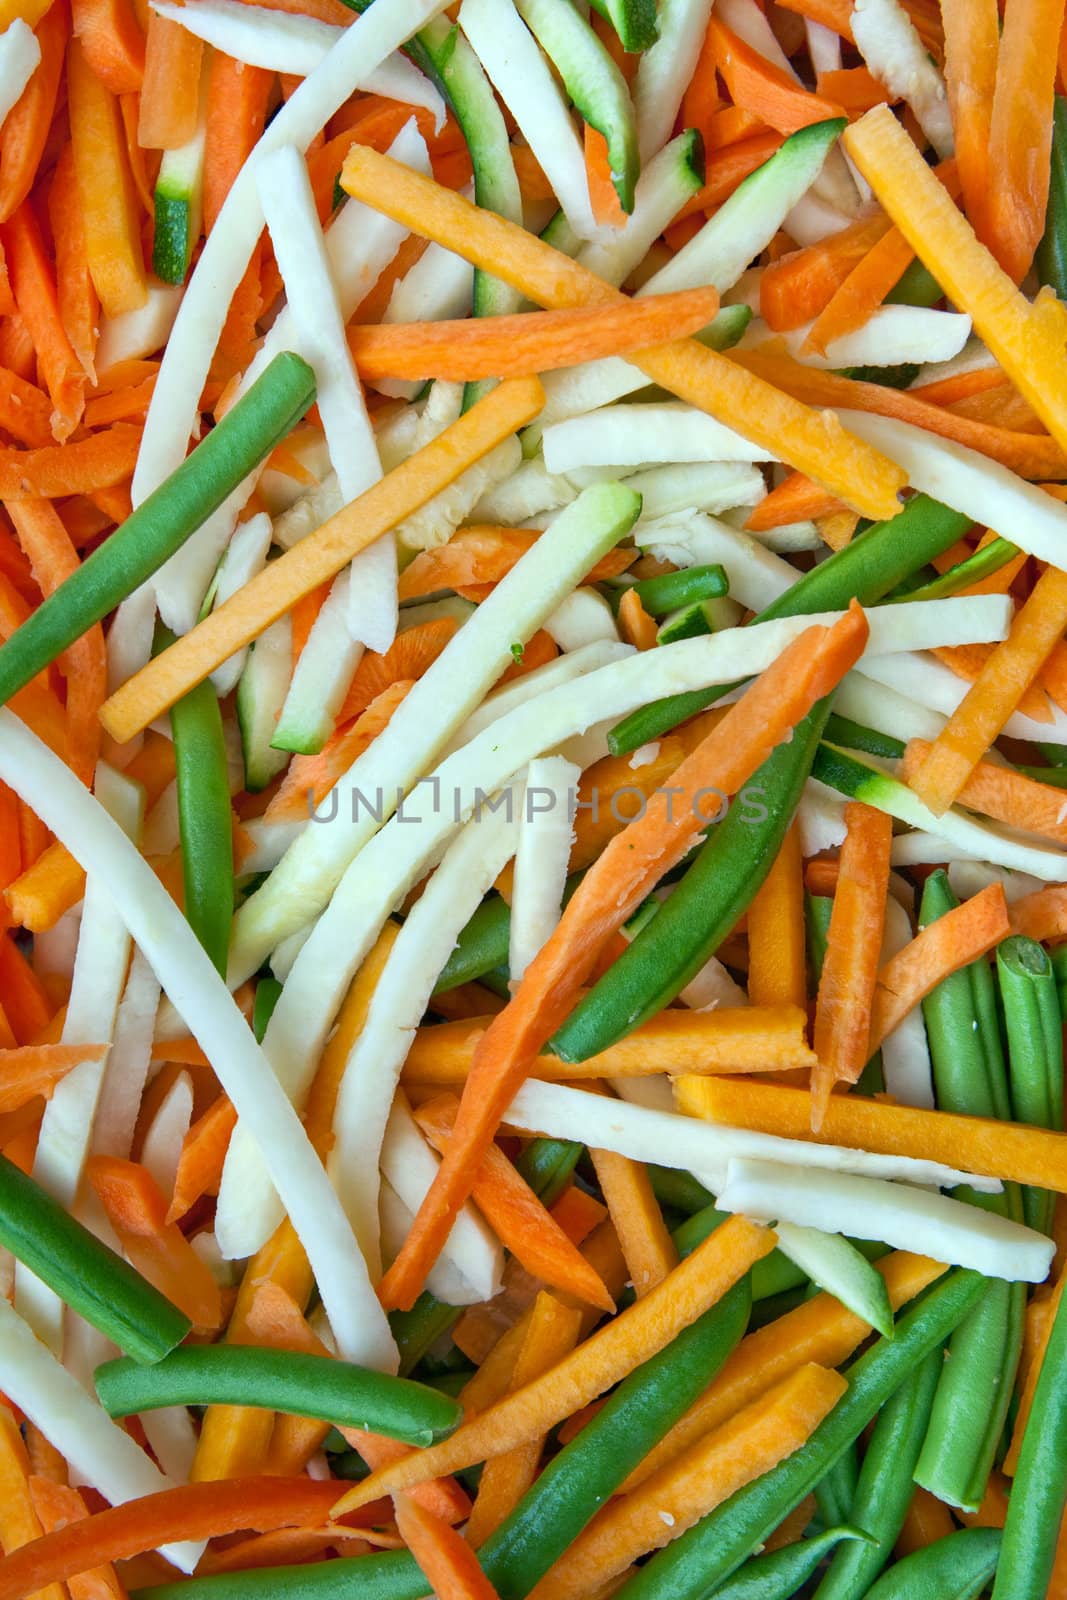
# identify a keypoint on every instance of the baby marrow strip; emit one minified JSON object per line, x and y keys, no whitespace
{"x":203,"y":814}
{"x":95,"y":1282}
{"x":280,"y":1380}
{"x":164,"y":521}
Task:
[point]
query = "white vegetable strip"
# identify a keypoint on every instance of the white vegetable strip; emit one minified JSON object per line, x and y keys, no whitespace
{"x":665,"y":68}
{"x":908,"y":1219}
{"x":638,"y":435}
{"x":173,"y":1440}
{"x":893,"y":335}
{"x":441,"y":700}
{"x":439,"y":286}
{"x":285,"y":42}
{"x":248,"y":1209}
{"x":877,"y":706}
{"x":162,"y":1146}
{"x":322,"y":674}
{"x":905,"y":1052}
{"x":128,"y":1062}
{"x":564,"y":669}
{"x":411,"y":1166}
{"x":245,"y":555}
{"x":820,"y":818}
{"x":19,"y":56}
{"x":657,"y":201}
{"x":930,"y":683}
{"x":522,"y":77}
{"x":542,"y":854}
{"x":971,"y":877}
{"x":524,"y":494}
{"x":689,"y":1143}
{"x":757,"y":576}
{"x":200,"y":995}
{"x":140,"y":333}
{"x":99,"y":976}
{"x":712,"y":486}
{"x":887,"y":40}
{"x":582,"y":618}
{"x":185,"y":577}
{"x":969,"y":482}
{"x":97,"y":1450}
{"x":289,"y":208}
{"x":364,"y":45}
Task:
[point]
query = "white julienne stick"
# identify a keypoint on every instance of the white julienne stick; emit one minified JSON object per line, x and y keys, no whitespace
{"x":189,"y":978}
{"x":541,"y":857}
{"x":19,"y":57}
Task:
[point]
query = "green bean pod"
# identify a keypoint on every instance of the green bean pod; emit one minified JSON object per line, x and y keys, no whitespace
{"x":854,"y":736}
{"x":1039,"y":1491}
{"x":866,"y":569}
{"x":772,"y":1274}
{"x":1051,"y":257}
{"x":204,"y":824}
{"x":957,"y":1567}
{"x":677,"y":1189}
{"x":780,"y":1574}
{"x":163,"y":522}
{"x":89,"y":1277}
{"x":836,"y":1489}
{"x":686,"y":587}
{"x":280,"y":1380}
{"x":884,"y":1488}
{"x":1035,"y":1051}
{"x":708,"y":1553}
{"x":982,"y":564}
{"x":482,"y":945}
{"x":548,"y":1166}
{"x":418,"y":1330}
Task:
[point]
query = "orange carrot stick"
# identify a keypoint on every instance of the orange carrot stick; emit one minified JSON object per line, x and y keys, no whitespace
{"x":59,"y":1506}
{"x":629,"y":868}
{"x":777,"y":964}
{"x":758,"y":86}
{"x":236,"y":111}
{"x":446,"y":1559}
{"x":516,"y":1215}
{"x":926,"y":1520}
{"x":728,"y":169}
{"x":35,"y":294}
{"x":30,"y":1070}
{"x":646,"y":1244}
{"x":1041,"y":915}
{"x":833,"y":14}
{"x":863,"y":291}
{"x":170,"y":93}
{"x":27,"y":124}
{"x":1010,"y":670}
{"x":20,"y":1526}
{"x":1012,"y":217}
{"x":157,"y":1248}
{"x":79,"y":308}
{"x":1002,"y":793}
{"x":203,"y":1153}
{"x":529,"y":342}
{"x":972,"y":43}
{"x":635,"y":624}
{"x":480,"y":555}
{"x":800,"y":285}
{"x":309,"y":779}
{"x":795,"y":499}
{"x":109,"y":208}
{"x":854,"y":941}
{"x":97,"y":462}
{"x":962,"y":935}
{"x":111,"y":38}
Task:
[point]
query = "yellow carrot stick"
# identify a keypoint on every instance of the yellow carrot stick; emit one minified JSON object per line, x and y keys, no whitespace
{"x":821,"y":1330}
{"x":777,"y":967}
{"x":551,"y":1334}
{"x":816,"y":443}
{"x":991,"y":699}
{"x":602,"y":1361}
{"x":112,"y":235}
{"x":319,"y":557}
{"x":643,"y":1235}
{"x":1027,"y":340}
{"x":1011,"y":1151}
{"x":686,"y":1489}
{"x":742,"y":1039}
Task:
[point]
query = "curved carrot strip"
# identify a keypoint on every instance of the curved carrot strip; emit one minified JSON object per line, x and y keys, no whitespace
{"x":170,"y":94}
{"x":763,"y":89}
{"x":34,"y":287}
{"x":27,"y":125}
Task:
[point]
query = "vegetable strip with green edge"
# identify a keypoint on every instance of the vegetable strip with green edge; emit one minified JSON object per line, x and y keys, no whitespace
{"x":95,"y":1282}
{"x":280,"y":1380}
{"x":983,"y":564}
{"x":203,"y":814}
{"x":866,"y":570}
{"x":1034,"y":1027}
{"x":163,"y":523}
{"x":957,"y":1567}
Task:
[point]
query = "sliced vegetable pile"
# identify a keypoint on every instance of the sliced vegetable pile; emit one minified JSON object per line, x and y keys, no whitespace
{"x":533,"y":751}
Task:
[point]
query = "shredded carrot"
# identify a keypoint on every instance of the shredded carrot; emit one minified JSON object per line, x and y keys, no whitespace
{"x":516,"y":1215}
{"x":446,"y":1559}
{"x":862,"y":292}
{"x":850,"y":968}
{"x":97,"y":461}
{"x":1010,"y":670}
{"x":763,"y":89}
{"x":58,"y":1506}
{"x":777,"y":967}
{"x":79,"y":308}
{"x":550,"y":1334}
{"x":635,"y":624}
{"x":962,"y":935}
{"x":614,"y":1350}
{"x":170,"y":93}
{"x":20,"y":1525}
{"x":646,"y":1244}
{"x":203,"y":1153}
{"x":34,"y":288}
{"x":22,"y":994}
{"x":27,"y":124}
{"x":237,"y":100}
{"x":688,"y":369}
{"x":671,"y":1500}
{"x":30,"y":1070}
{"x":798,"y":287}
{"x":157,"y":1248}
{"x":962,"y":386}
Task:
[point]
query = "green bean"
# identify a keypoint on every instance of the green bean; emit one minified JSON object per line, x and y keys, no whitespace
{"x":917,"y":286}
{"x":885,"y":1488}
{"x":967,"y":1058}
{"x":866,"y":569}
{"x":817,"y":911}
{"x":418,"y":1330}
{"x":771,"y":1275}
{"x":1039,"y":1491}
{"x":957,"y":1567}
{"x":280,"y":1380}
{"x":203,"y":814}
{"x":991,"y":558}
{"x":1059,"y":972}
{"x":163,"y":523}
{"x":704,"y":906}
{"x":854,"y":736}
{"x":1051,"y":257}
{"x":1054,"y":776}
{"x":715,"y":1547}
{"x":836,"y":1489}
{"x":677,"y":1189}
{"x":780,"y":1574}
{"x":1035,"y":1051}
{"x":482,"y":945}
{"x":268,"y":993}
{"x":688,"y":586}
{"x":89,"y":1277}
{"x":548,"y":1166}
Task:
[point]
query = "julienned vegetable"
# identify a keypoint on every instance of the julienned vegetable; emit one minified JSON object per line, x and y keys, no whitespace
{"x":163,"y":523}
{"x":95,"y":1282}
{"x":280,"y":1380}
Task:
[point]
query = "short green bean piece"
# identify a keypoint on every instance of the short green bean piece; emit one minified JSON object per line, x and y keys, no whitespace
{"x":1035,"y":1050}
{"x":548,"y":1166}
{"x":780,"y":1574}
{"x":957,"y":1567}
{"x":854,"y":736}
{"x":482,"y":945}
{"x":418,"y":1330}
{"x":1051,"y":257}
{"x":163,"y":522}
{"x":983,"y":564}
{"x":885,"y":1488}
{"x":1039,"y":1490}
{"x":90,"y":1278}
{"x":280,"y":1380}
{"x":686,"y":587}
{"x":706,"y":1555}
